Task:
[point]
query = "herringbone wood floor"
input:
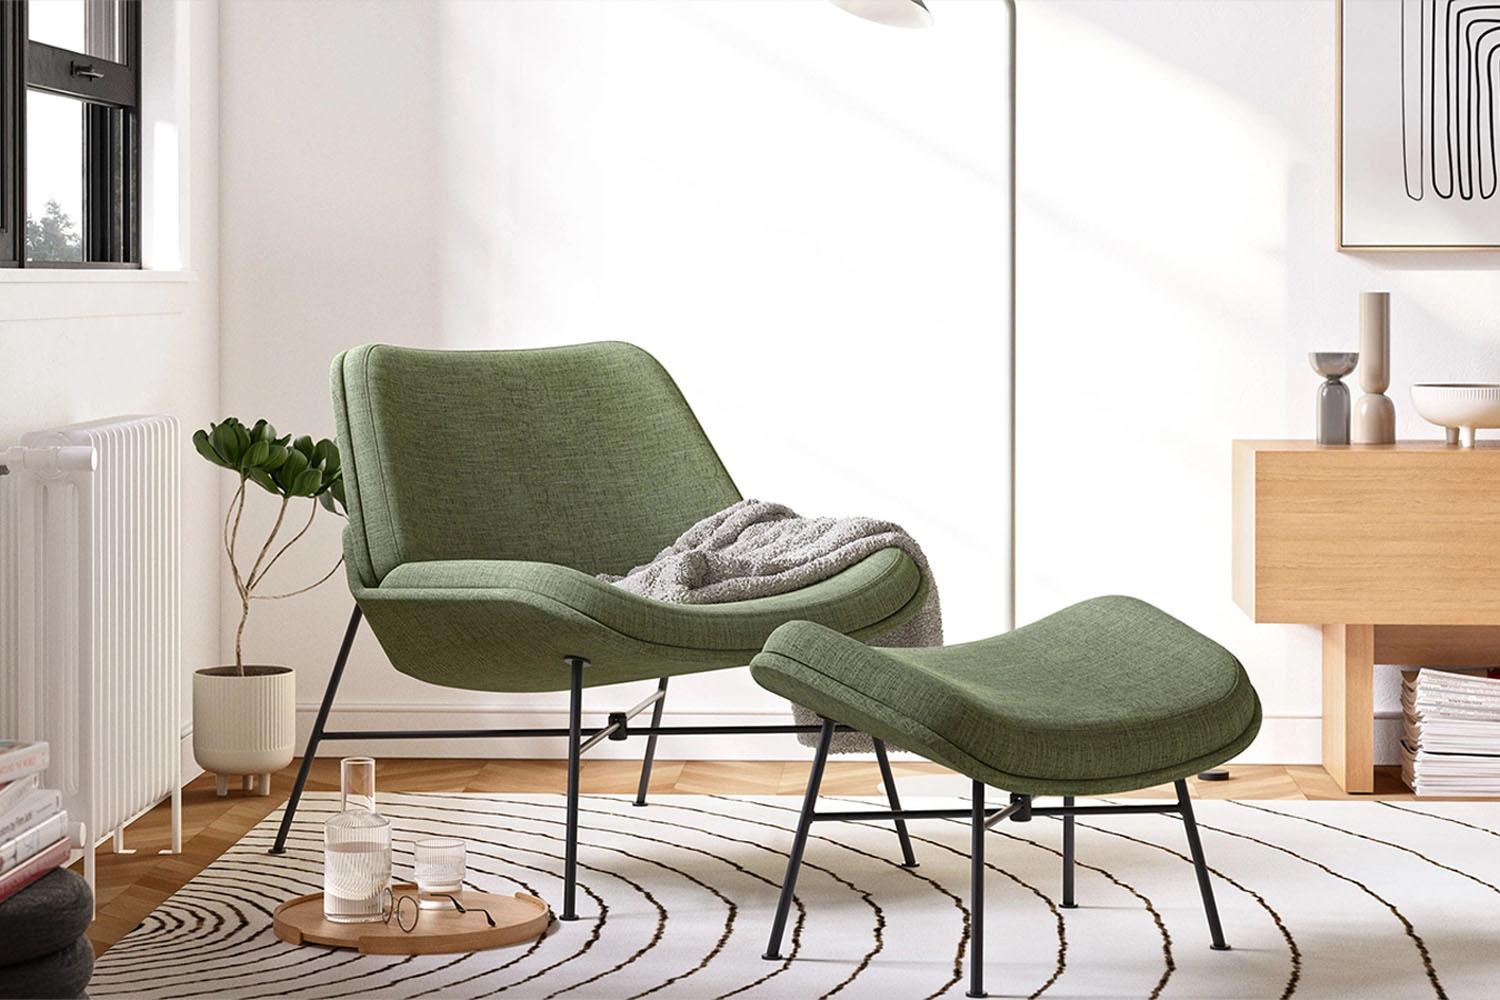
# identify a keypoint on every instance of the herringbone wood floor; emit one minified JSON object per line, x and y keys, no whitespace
{"x":132,"y":884}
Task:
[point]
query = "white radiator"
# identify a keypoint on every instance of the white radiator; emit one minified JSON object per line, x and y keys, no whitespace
{"x":94,"y":665}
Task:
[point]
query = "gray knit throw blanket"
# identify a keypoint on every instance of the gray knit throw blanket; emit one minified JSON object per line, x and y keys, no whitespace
{"x":757,"y":549}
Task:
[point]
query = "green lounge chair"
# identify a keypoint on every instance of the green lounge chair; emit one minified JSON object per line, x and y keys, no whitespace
{"x":487,"y":488}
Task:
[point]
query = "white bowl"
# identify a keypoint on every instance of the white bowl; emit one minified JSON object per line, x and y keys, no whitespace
{"x":1458,"y":406}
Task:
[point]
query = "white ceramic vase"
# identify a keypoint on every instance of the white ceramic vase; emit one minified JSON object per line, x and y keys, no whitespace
{"x":244,"y":725}
{"x":1374,"y":413}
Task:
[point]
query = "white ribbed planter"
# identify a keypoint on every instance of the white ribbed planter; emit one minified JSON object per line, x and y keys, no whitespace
{"x":244,"y":725}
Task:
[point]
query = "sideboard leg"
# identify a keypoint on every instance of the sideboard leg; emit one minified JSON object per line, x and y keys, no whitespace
{"x":1349,"y":706}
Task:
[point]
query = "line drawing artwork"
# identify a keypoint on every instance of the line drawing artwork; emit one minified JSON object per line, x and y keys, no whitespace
{"x":1450,"y":57}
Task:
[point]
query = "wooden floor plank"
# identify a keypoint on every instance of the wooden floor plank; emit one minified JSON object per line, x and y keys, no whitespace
{"x":1246,"y":781}
{"x":1318,"y":784}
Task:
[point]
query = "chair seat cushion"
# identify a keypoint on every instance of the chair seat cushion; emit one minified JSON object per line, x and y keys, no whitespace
{"x":1108,"y":695}
{"x":505,"y":625}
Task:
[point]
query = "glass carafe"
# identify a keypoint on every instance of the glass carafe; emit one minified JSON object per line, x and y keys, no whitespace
{"x":356,"y":849}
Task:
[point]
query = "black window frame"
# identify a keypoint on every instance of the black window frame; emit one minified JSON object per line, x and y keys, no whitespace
{"x":111,"y":92}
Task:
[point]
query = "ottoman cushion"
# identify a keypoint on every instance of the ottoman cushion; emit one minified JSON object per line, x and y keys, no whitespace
{"x":1105,"y":696}
{"x":49,"y":914}
{"x":64,"y":973}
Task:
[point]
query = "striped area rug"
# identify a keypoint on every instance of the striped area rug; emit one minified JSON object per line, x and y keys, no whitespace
{"x":1334,"y":899}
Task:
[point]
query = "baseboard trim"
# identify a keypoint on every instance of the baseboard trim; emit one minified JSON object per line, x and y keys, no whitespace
{"x":1283,"y":739}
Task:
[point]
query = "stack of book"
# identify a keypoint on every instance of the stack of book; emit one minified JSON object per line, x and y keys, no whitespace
{"x":1450,"y":744}
{"x":34,"y":833}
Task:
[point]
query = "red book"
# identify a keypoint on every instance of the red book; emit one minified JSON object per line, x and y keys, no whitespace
{"x":54,"y":855}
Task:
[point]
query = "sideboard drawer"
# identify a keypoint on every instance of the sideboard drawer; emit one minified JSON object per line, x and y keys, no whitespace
{"x":1406,"y":533}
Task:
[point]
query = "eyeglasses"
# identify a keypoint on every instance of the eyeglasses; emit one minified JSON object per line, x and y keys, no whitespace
{"x":406,"y":917}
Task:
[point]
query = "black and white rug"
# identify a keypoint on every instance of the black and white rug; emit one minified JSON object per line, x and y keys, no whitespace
{"x":1334,"y":899}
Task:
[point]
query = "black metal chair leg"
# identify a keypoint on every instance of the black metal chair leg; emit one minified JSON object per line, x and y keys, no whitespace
{"x":1185,"y":804}
{"x":976,"y":895}
{"x":1068,"y":833}
{"x":575,"y":740}
{"x":799,"y":841}
{"x":640,"y":793}
{"x":316,"y":736}
{"x":909,"y":860}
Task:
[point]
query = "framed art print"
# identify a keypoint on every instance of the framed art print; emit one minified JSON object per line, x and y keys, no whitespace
{"x":1418,"y":107}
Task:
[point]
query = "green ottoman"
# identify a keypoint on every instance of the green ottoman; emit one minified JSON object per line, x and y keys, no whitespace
{"x":1106,"y":696}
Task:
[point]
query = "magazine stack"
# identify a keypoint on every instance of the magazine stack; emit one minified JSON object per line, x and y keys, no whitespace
{"x":35,"y":836}
{"x":1450,"y":743}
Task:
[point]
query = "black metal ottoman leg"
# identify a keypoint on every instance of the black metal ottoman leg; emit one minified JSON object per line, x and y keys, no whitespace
{"x":1068,"y":835}
{"x":799,"y":842}
{"x":976,"y":895}
{"x":646,"y":761}
{"x":909,"y":860}
{"x":1185,"y":805}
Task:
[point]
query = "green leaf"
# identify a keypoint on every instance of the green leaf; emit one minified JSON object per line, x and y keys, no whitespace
{"x":275,"y":456}
{"x":294,"y":466}
{"x":206,"y":449}
{"x":307,"y":483}
{"x":242,"y":437}
{"x":227,"y":444}
{"x":304,"y":444}
{"x":327,"y":453}
{"x":256,"y":455}
{"x":331,"y":496}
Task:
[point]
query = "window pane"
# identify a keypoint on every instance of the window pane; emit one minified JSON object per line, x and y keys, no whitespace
{"x":54,"y":177}
{"x":93,"y":27}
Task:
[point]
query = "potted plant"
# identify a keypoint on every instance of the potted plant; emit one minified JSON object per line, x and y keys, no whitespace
{"x":244,"y":717}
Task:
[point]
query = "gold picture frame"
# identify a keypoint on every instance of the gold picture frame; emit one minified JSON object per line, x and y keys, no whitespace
{"x":1344,"y":243}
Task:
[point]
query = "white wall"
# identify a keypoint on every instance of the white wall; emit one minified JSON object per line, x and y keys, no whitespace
{"x":78,"y":345}
{"x":1176,"y":264}
{"x":802,"y":214}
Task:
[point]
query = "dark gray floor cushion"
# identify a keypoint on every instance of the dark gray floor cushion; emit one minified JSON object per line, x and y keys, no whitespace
{"x":63,"y":973}
{"x":46,"y":916}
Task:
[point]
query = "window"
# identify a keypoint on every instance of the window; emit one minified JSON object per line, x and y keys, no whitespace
{"x":70,"y":133}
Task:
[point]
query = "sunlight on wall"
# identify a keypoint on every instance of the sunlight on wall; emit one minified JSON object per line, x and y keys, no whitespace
{"x":166,"y":95}
{"x":163,"y":249}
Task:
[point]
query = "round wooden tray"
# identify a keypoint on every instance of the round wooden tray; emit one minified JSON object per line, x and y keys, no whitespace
{"x":438,"y":932}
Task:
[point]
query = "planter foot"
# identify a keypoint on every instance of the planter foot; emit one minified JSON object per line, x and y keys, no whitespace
{"x":265,"y":784}
{"x":247,"y":782}
{"x":221,"y":784}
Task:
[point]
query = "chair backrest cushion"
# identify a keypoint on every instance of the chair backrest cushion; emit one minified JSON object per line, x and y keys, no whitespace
{"x":586,"y":456}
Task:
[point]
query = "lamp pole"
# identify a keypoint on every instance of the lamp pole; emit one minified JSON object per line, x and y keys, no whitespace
{"x":914,"y":14}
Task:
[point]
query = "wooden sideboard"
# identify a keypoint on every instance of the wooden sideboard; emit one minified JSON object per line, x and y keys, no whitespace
{"x":1393,"y":549}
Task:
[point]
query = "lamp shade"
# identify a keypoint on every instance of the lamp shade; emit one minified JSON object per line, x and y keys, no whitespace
{"x":899,"y":13}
